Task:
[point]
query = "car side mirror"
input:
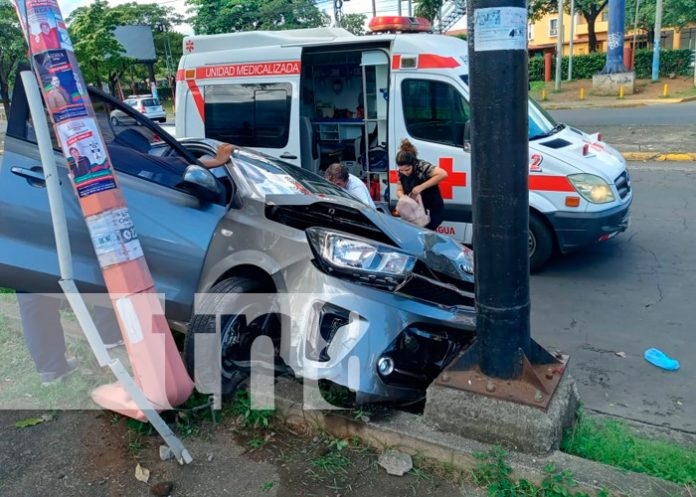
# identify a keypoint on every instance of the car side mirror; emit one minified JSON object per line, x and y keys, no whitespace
{"x":202,"y":183}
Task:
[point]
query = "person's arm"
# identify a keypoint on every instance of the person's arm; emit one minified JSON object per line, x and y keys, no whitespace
{"x":222,"y":156}
{"x":437,"y":176}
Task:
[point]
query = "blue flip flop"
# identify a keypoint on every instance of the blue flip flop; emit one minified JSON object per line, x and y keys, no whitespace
{"x":661,"y":360}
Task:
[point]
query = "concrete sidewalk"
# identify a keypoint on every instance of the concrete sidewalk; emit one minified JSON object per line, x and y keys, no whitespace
{"x":610,"y":103}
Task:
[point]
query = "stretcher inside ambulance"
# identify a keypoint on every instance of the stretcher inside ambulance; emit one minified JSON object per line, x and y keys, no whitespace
{"x":316,"y":96}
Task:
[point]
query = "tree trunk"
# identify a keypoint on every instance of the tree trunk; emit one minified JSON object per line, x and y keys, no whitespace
{"x":5,"y":95}
{"x":591,"y":34}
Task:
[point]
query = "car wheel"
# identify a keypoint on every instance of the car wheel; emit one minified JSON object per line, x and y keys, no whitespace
{"x":540,"y":243}
{"x":115,"y":121}
{"x":237,"y":332}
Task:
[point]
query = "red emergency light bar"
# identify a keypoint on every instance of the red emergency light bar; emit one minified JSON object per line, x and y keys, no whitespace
{"x":403,"y":24}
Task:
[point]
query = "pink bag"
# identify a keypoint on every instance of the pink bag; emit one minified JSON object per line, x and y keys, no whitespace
{"x":412,"y":210}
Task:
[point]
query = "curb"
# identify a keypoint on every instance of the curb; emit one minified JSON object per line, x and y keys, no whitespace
{"x":409,"y":433}
{"x":667,"y":157}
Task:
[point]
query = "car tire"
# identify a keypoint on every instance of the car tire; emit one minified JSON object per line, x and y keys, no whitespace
{"x":540,"y":243}
{"x":114,"y":121}
{"x":236,"y":335}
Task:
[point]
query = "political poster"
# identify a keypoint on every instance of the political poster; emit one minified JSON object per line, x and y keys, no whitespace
{"x":63,"y":93}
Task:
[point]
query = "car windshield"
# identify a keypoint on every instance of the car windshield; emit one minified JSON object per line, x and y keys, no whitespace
{"x":541,"y":124}
{"x":269,"y":176}
{"x":150,"y":102}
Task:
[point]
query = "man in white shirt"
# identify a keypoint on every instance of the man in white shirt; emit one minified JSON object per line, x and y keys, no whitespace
{"x":338,"y":175}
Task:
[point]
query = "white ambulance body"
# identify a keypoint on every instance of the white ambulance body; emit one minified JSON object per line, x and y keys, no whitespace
{"x":316,"y":96}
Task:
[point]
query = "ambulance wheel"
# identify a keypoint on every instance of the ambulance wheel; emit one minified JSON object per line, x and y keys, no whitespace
{"x":540,"y":243}
{"x":237,"y":332}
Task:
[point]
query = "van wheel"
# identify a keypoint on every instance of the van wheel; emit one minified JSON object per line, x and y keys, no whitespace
{"x":115,"y":122}
{"x":540,"y":243}
{"x":237,"y":331}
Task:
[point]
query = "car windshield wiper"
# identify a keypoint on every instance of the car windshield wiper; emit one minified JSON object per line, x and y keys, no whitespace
{"x":550,"y":132}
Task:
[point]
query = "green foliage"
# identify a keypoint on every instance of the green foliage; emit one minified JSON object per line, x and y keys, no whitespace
{"x":241,"y":406}
{"x":355,"y":23}
{"x":101,"y":56}
{"x":12,"y":50}
{"x":334,"y":460}
{"x":226,"y":16}
{"x":676,"y":14}
{"x":612,"y":442}
{"x":671,"y":62}
{"x":428,"y":9}
{"x":493,"y":472}
{"x":585,"y":66}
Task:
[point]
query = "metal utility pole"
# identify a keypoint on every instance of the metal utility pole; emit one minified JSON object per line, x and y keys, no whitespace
{"x":398,"y":6}
{"x":658,"y":36}
{"x":338,"y":12}
{"x":500,"y":155}
{"x":374,"y":8}
{"x":410,"y":8}
{"x":570,"y":42}
{"x":504,"y":349}
{"x":559,"y":46}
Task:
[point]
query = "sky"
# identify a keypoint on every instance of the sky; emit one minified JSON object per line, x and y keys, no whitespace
{"x":384,"y":7}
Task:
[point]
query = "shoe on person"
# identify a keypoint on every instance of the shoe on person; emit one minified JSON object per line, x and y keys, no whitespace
{"x":48,"y":379}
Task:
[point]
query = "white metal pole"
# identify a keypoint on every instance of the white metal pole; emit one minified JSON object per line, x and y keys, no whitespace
{"x":559,"y":46}
{"x":60,"y":230}
{"x":635,"y":33}
{"x":570,"y":41}
{"x":410,"y":8}
{"x":374,"y":8}
{"x":398,"y":6}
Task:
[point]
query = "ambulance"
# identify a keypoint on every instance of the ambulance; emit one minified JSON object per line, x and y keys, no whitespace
{"x":313,"y":97}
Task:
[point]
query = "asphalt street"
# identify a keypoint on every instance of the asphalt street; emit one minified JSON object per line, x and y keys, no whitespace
{"x":672,"y":114}
{"x":631,"y":293}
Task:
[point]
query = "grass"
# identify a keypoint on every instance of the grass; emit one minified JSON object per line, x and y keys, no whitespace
{"x":335,"y":459}
{"x":691,"y":92}
{"x":614,"y":443}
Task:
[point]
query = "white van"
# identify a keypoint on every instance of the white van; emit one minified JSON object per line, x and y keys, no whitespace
{"x":317,"y":96}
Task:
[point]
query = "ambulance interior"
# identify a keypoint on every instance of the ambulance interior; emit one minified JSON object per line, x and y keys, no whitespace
{"x":343,"y":114}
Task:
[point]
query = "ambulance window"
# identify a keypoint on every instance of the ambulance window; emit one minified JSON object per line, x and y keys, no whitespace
{"x":434,"y":111}
{"x":249,"y":115}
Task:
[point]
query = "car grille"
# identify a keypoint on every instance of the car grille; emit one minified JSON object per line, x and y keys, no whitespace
{"x":436,"y":292}
{"x":623,"y":184}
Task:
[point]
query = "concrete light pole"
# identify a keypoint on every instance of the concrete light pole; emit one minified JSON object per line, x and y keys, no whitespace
{"x":559,"y":45}
{"x":658,"y":36}
{"x":615,"y":39}
{"x":570,"y":42}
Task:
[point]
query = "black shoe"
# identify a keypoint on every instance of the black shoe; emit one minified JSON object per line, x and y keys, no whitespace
{"x":48,"y":379}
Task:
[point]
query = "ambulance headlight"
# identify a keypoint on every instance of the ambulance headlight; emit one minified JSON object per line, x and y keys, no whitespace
{"x":358,"y":259}
{"x":592,"y":188}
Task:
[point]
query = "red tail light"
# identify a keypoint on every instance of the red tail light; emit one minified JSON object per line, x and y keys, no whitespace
{"x":599,"y":137}
{"x":585,"y":149}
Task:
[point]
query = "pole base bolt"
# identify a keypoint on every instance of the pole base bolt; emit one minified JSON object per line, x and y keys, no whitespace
{"x":490,"y":386}
{"x":549,"y":374}
{"x":445,"y":377}
{"x":538,"y":396}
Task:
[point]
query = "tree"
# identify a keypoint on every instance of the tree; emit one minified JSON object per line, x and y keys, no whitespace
{"x":226,"y":16}
{"x":12,"y":50}
{"x":590,"y":10}
{"x":355,"y":23}
{"x":429,"y":9}
{"x":100,"y":55}
{"x":676,"y":14}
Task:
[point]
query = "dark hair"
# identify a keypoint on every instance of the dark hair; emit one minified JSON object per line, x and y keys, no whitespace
{"x":407,"y":154}
{"x":336,"y":171}
{"x":74,"y":148}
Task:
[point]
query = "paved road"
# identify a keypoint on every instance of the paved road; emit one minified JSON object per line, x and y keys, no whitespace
{"x":631,"y":293}
{"x":673,"y":114}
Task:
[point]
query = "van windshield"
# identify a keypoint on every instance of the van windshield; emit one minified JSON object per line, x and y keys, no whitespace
{"x":541,"y":124}
{"x":268,"y":176}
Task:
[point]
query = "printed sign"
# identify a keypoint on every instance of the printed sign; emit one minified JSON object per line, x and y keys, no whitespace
{"x":500,"y":28}
{"x":86,"y":157}
{"x":249,"y":70}
{"x":47,"y":30}
{"x":114,"y":237}
{"x":63,"y":93}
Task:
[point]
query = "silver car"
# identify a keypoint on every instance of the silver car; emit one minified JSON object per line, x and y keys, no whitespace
{"x":366,"y":285}
{"x":147,"y":105}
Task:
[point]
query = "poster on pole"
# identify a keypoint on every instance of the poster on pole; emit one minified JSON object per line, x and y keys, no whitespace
{"x":63,"y":93}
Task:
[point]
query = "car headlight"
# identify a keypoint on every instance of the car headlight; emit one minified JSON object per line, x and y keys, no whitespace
{"x":592,"y":188}
{"x":467,"y":262}
{"x":359,"y":259}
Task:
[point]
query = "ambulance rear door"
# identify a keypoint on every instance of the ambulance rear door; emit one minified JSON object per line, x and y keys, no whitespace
{"x":432,"y":112}
{"x":254,"y":104}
